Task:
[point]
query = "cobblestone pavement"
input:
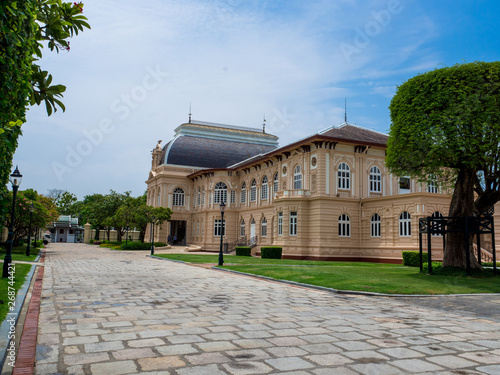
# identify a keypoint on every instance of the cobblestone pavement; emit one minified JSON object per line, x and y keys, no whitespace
{"x":109,"y":312}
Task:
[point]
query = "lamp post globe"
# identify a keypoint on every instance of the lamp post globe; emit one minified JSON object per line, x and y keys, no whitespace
{"x":32,"y":209}
{"x":15,"y":179}
{"x":222,"y":208}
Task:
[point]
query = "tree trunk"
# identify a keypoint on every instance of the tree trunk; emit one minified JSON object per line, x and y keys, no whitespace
{"x":462,"y":204}
{"x":119,"y":234}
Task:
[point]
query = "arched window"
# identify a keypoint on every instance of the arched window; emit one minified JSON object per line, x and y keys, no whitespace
{"x":199,"y":196}
{"x":375,"y":180}
{"x":264,"y":190}
{"x":297,"y":178}
{"x":242,"y":228}
{"x":344,"y":226}
{"x":243,"y":196}
{"x":344,"y":177}
{"x":220,"y":193}
{"x":203,"y":196}
{"x":439,"y":225}
{"x":253,"y":191}
{"x":280,"y":223}
{"x":178,"y":199}
{"x":275,"y":182}
{"x":405,"y":224}
{"x":375,"y":225}
{"x":263,"y":228}
{"x":158,"y":204}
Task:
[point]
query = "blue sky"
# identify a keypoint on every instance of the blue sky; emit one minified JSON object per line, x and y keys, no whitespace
{"x":130,"y":80}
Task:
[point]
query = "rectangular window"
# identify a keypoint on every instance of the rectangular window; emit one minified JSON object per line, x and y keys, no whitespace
{"x":293,"y":223}
{"x":218,"y":228}
{"x":233,"y":197}
{"x":280,"y":223}
{"x":404,"y":185}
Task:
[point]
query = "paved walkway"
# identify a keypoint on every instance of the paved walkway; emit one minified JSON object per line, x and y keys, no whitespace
{"x":109,"y":312}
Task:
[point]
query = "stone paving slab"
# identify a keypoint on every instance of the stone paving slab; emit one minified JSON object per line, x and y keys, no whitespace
{"x":110,"y":312}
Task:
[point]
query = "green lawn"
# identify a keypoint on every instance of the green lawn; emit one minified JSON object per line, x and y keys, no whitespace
{"x":371,"y":277}
{"x":18,"y":253}
{"x":21,"y":270}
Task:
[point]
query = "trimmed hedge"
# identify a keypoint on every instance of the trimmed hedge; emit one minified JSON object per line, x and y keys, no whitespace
{"x":244,"y":251}
{"x":140,"y":245}
{"x":271,"y":252}
{"x":412,"y":258}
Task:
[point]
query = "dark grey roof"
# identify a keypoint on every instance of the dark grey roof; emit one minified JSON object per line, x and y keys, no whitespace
{"x":356,"y":133}
{"x":209,"y":153}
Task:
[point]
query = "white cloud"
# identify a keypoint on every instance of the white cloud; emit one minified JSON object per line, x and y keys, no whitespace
{"x":234,"y":60}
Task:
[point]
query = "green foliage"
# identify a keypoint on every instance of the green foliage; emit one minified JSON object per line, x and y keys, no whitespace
{"x":438,"y":269}
{"x":140,"y":245}
{"x":64,"y":201}
{"x":24,"y":26}
{"x":271,"y":252}
{"x":244,"y":251}
{"x":412,"y":258}
{"x":44,"y":212}
{"x":490,"y":264}
{"x":448,"y":120}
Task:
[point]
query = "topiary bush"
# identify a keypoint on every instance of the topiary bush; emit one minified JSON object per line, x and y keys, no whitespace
{"x":243,"y":251}
{"x":412,"y":258}
{"x":271,"y":252}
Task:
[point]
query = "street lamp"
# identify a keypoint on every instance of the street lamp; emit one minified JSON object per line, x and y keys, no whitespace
{"x":32,"y":209}
{"x":221,"y":257}
{"x":15,"y":180}
{"x":152,"y":237}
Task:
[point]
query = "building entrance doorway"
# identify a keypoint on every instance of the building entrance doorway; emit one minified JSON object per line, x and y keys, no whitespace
{"x":178,"y":232}
{"x":252,"y":232}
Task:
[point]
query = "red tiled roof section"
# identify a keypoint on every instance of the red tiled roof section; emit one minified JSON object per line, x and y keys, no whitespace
{"x":354,"y":133}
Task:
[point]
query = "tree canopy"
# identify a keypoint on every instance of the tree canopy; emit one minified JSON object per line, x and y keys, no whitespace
{"x":25,"y":26}
{"x":446,"y":124}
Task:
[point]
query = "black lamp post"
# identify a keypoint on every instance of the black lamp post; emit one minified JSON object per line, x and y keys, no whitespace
{"x":152,"y":237}
{"x":221,"y":257}
{"x":15,"y":179}
{"x":32,"y":208}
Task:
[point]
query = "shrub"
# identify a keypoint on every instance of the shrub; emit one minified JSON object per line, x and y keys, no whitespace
{"x":271,"y":252}
{"x":490,"y":264}
{"x":140,"y":245}
{"x":244,"y":251}
{"x":91,"y":241}
{"x":438,"y":269}
{"x":412,"y":258}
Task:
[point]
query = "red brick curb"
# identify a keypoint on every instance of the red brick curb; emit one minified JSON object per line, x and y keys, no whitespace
{"x":25,"y":362}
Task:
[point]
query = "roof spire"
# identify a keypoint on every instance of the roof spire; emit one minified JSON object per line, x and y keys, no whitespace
{"x":264,"y":125}
{"x":345,"y":110}
{"x":190,"y":112}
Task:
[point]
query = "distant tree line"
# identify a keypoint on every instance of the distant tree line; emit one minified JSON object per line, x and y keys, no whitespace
{"x":105,"y":212}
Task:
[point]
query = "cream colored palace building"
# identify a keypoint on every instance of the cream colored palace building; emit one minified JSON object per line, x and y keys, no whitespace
{"x":328,"y":196}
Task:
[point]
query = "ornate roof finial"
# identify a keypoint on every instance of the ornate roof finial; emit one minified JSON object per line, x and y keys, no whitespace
{"x":345,"y":110}
{"x":190,"y":112}
{"x":264,"y":125}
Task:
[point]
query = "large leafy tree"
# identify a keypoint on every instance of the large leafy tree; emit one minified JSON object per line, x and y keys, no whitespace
{"x":446,"y":124}
{"x":64,"y":201}
{"x":25,"y":26}
{"x":44,"y":212}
